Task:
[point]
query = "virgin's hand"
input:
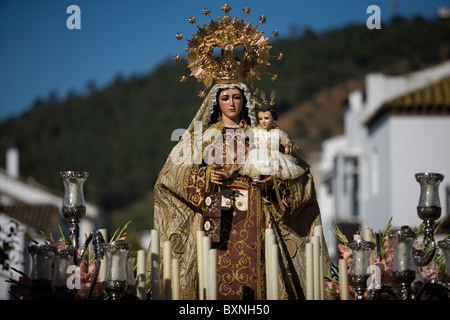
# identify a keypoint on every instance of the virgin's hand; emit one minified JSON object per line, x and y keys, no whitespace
{"x":219,"y":175}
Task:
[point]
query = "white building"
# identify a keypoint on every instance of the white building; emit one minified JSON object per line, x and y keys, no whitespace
{"x":397,"y":127}
{"x":34,"y":208}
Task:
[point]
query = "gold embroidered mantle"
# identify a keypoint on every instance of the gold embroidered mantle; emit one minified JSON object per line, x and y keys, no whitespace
{"x":292,"y":212}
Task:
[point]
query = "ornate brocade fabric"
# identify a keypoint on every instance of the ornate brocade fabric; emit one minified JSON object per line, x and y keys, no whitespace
{"x":240,"y":269}
{"x":291,"y":209}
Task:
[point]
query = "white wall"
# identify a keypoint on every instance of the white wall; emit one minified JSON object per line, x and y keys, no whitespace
{"x":375,"y":186}
{"x":418,"y":144}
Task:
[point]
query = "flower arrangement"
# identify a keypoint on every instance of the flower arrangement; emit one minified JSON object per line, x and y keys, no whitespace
{"x":383,"y":258}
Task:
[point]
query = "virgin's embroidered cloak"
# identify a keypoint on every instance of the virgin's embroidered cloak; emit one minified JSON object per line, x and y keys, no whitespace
{"x":292,"y":211}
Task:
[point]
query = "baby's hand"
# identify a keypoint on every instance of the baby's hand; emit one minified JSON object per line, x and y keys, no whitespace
{"x":289,"y":148}
{"x":263,"y":184}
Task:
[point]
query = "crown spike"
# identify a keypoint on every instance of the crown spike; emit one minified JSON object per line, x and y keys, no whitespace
{"x":226,"y":8}
{"x":206,"y":11}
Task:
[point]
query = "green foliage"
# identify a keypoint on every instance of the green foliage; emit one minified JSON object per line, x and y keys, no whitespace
{"x":119,"y":233}
{"x":121,"y":134}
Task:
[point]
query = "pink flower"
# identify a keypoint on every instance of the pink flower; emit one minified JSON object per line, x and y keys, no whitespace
{"x":388,"y":251}
{"x":383,"y":265}
{"x":430,"y":271}
{"x":59,"y":244}
{"x":346,"y":253}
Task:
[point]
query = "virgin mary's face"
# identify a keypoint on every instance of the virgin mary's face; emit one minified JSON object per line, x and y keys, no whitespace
{"x":231,"y":103}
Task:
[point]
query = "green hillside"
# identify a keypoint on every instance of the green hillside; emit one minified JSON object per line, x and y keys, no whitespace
{"x":121,"y":134}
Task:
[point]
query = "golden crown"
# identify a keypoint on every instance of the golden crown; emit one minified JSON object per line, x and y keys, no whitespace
{"x":227,"y":33}
{"x":260,"y":98}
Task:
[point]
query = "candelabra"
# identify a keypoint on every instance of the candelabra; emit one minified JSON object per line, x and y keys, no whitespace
{"x":41,"y":269}
{"x":404,"y":264}
{"x":361,"y":262}
{"x":429,"y":210}
{"x":45,"y":258}
{"x":407,"y":257}
{"x":73,"y":207}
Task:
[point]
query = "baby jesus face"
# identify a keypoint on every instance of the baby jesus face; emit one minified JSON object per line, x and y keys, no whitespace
{"x":266,"y":119}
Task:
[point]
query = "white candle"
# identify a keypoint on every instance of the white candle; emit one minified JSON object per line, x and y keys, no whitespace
{"x":73,"y":192}
{"x":274,"y":271}
{"x":200,"y":235}
{"x":118,"y":270}
{"x":167,"y":262}
{"x":402,"y":251}
{"x":103,"y":264}
{"x":318,"y":231}
{"x":206,"y":246}
{"x":60,"y":270}
{"x":156,"y":268}
{"x":270,"y":240}
{"x":343,"y":278}
{"x":309,"y":272}
{"x":357,"y":236}
{"x":175,"y":279}
{"x":368,"y":236}
{"x":316,"y":258}
{"x":429,"y":195}
{"x":140,"y":275}
{"x":212,"y":274}
{"x":358,"y":262}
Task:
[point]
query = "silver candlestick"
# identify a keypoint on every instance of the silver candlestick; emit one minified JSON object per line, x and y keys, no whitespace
{"x":73,"y":207}
{"x":429,"y":210}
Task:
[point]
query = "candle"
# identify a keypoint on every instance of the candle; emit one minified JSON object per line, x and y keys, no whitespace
{"x":274,"y":271}
{"x":103,"y":264}
{"x":403,"y":255}
{"x":155,"y":258}
{"x":309,"y":272}
{"x":429,"y":195}
{"x":212,"y":274}
{"x":316,"y":258}
{"x":60,"y":269}
{"x":73,"y":192}
{"x":368,"y":236}
{"x":357,"y":236}
{"x":175,"y":277}
{"x":343,"y":279}
{"x":118,"y":264}
{"x":318,"y":231}
{"x":358,"y":262}
{"x":167,"y":261}
{"x":270,"y":240}
{"x":206,"y":246}
{"x":140,"y":275}
{"x":200,"y":235}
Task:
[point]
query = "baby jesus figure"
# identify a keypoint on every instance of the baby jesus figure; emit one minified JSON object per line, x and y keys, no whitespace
{"x":265,"y":158}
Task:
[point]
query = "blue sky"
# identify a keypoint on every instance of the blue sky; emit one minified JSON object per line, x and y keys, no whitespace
{"x":39,"y":54}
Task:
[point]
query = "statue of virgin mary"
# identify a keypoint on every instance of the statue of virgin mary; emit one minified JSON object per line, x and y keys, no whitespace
{"x":207,"y":160}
